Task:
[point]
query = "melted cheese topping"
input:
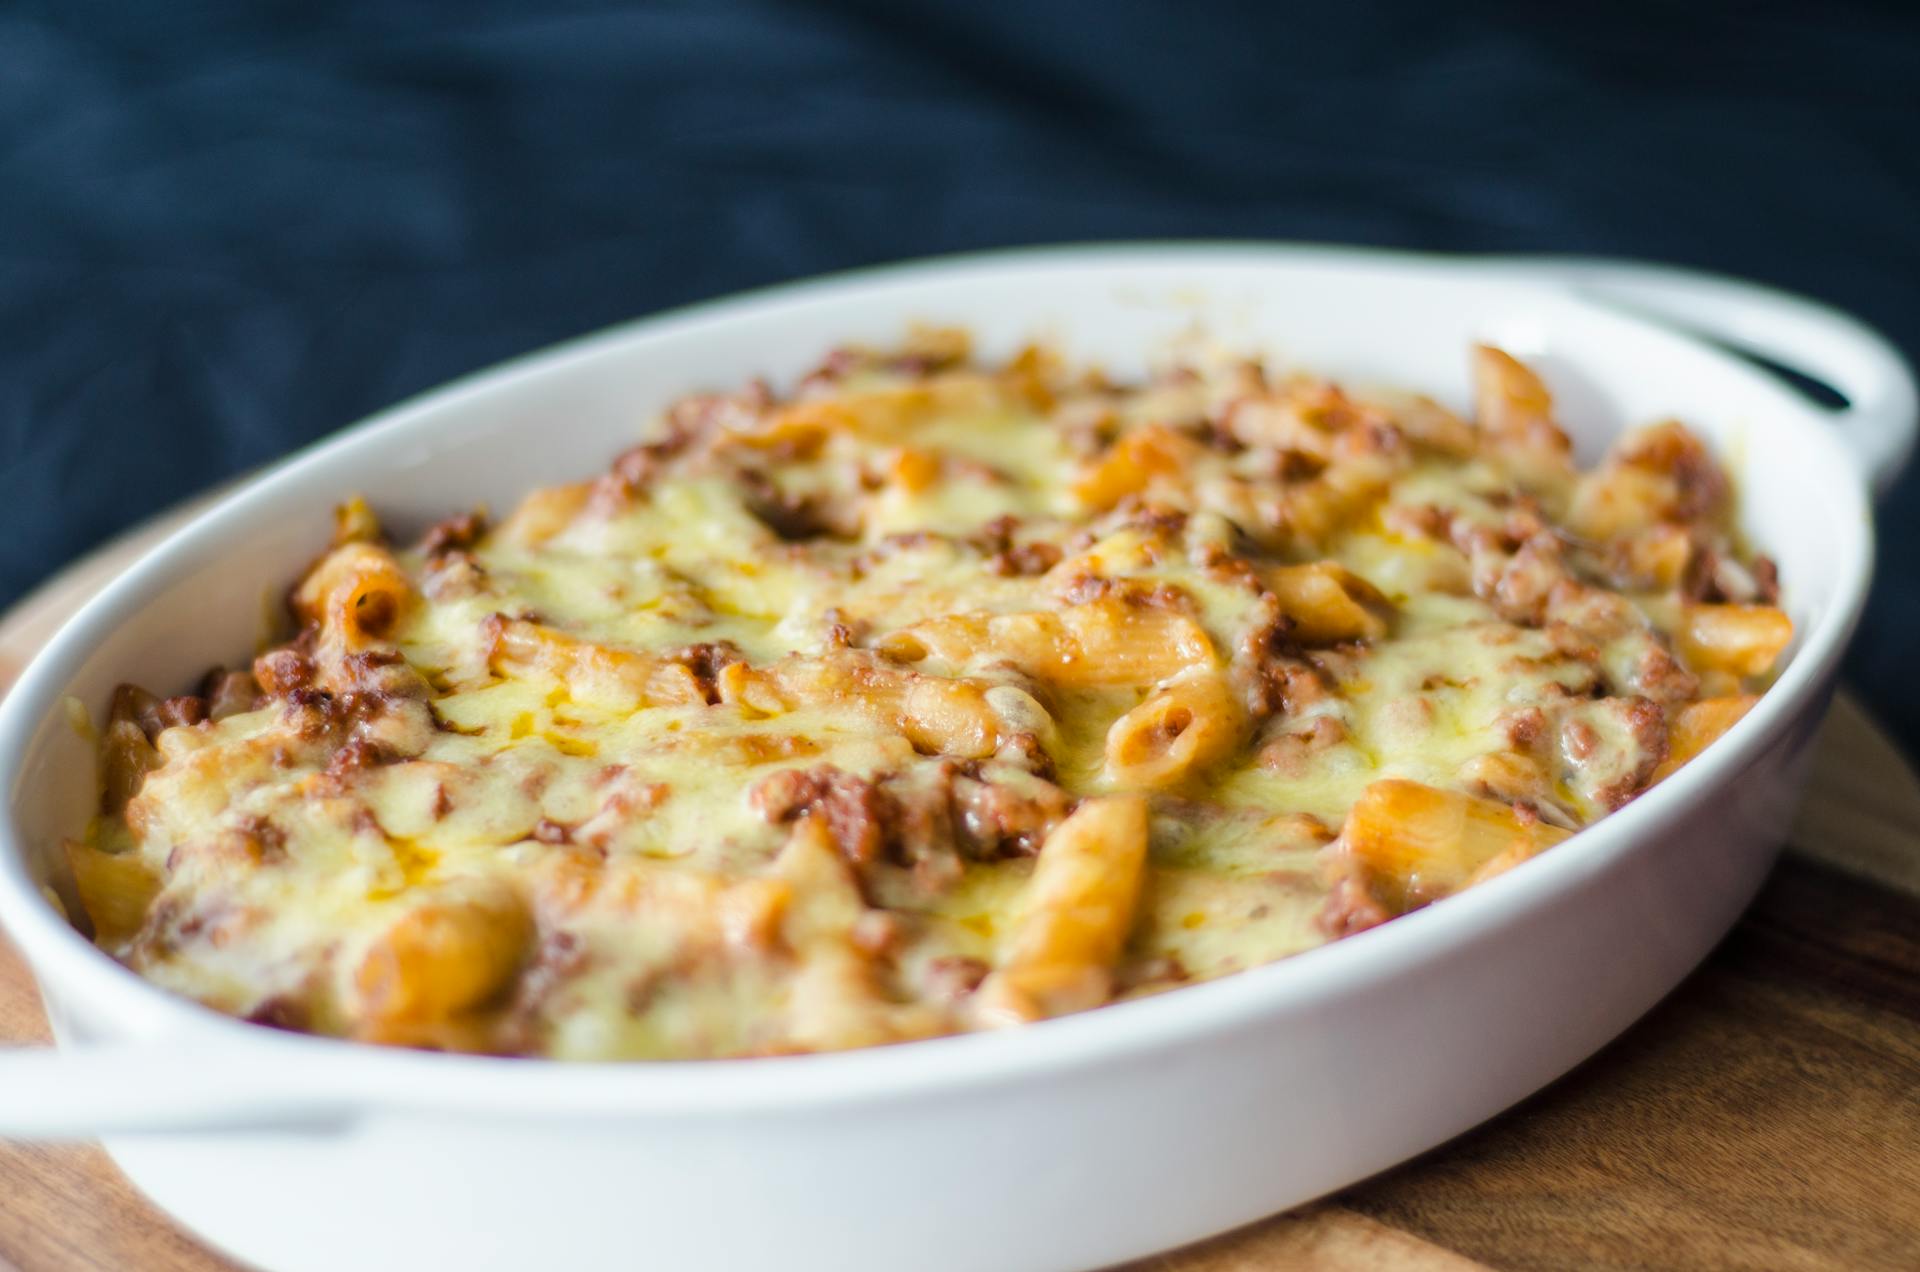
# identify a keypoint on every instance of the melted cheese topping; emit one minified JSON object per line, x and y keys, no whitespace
{"x":927,"y":699}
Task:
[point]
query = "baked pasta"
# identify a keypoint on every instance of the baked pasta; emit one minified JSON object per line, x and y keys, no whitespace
{"x":929,"y":697}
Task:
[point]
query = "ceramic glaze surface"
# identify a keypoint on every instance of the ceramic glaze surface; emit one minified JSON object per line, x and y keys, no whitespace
{"x":1137,"y":1127}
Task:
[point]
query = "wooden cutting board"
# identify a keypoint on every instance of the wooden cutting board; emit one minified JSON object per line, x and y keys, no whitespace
{"x":1765,"y":1116}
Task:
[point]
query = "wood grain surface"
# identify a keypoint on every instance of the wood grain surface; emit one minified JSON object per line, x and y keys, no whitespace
{"x":1765,"y":1116}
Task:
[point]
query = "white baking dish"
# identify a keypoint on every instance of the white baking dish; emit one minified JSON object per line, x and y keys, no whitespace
{"x":1061,"y":1145}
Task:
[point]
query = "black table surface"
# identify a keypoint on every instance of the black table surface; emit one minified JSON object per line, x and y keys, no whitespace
{"x":226,"y":230}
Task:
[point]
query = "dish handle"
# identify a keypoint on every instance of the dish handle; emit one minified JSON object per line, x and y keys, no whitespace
{"x":66,"y":1093}
{"x":1878,"y":417}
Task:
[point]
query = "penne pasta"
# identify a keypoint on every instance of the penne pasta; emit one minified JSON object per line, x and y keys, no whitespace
{"x":1696,"y":725}
{"x":1509,"y":777}
{"x":1417,"y":843}
{"x":442,"y":956}
{"x":1078,"y":909}
{"x":1653,"y":477}
{"x":1135,"y":462}
{"x":929,"y":697}
{"x":1109,"y":641}
{"x":1745,"y":640}
{"x":115,"y":890}
{"x":1619,"y":500}
{"x":613,"y":679}
{"x":879,"y":414}
{"x":1511,"y":402}
{"x":1326,"y":603}
{"x":913,"y":470}
{"x":1175,"y":735}
{"x":939,"y":716}
{"x":1658,"y":556}
{"x":356,"y":594}
{"x":835,"y":999}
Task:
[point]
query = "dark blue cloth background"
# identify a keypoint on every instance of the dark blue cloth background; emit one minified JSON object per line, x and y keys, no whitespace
{"x":226,"y":230}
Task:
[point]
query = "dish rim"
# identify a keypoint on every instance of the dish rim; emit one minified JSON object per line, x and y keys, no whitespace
{"x":363,"y":1075}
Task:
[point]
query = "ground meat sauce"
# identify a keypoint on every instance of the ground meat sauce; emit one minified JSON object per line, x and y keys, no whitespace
{"x":925,"y":696}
